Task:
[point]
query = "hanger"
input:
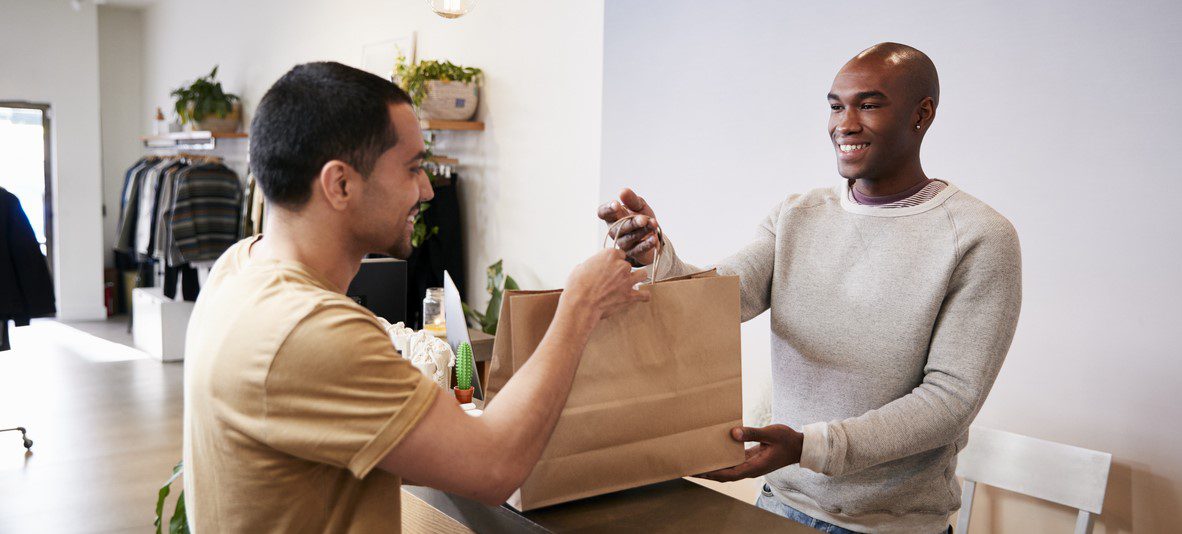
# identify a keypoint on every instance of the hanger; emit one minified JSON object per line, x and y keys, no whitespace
{"x":197,"y":159}
{"x":442,"y":168}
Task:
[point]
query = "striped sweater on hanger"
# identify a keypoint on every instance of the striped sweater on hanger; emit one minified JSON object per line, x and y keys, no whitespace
{"x":205,"y":214}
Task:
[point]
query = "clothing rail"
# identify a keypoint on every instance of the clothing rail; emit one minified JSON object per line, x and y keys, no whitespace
{"x":199,"y":140}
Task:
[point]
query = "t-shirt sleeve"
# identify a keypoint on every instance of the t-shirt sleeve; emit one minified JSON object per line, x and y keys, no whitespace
{"x":338,"y":393}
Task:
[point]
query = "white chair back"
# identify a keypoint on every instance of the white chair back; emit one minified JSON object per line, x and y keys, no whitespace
{"x":1063,"y":474}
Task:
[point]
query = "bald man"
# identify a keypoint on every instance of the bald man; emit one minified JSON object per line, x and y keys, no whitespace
{"x":893,"y":298}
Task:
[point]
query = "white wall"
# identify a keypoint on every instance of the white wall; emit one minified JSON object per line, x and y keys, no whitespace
{"x":48,"y":55}
{"x":1059,"y":114}
{"x":120,"y":47}
{"x":530,"y":180}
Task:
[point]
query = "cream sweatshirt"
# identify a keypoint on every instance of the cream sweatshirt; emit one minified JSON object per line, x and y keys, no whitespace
{"x":889,"y":327}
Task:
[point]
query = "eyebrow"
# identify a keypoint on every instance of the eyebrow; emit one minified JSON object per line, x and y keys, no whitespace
{"x":863,"y":95}
{"x":419,"y":156}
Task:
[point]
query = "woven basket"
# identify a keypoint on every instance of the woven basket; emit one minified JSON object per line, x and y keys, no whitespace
{"x":228,"y":124}
{"x":449,"y":101}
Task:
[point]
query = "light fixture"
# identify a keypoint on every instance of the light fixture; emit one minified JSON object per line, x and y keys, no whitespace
{"x":451,"y":9}
{"x":77,"y":4}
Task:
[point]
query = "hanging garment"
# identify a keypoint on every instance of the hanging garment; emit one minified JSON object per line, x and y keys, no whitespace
{"x":4,"y":335}
{"x":190,"y":286}
{"x":165,"y":248}
{"x":149,"y":205}
{"x":246,"y":224}
{"x":251,"y":222}
{"x":26,"y":289}
{"x":129,"y":178}
{"x":145,"y":273}
{"x":258,"y":211}
{"x":129,"y":208}
{"x":205,"y":213}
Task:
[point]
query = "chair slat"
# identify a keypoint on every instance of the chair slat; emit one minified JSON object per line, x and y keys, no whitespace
{"x":1055,"y":472}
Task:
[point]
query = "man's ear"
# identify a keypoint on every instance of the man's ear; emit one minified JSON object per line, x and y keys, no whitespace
{"x":334,"y":183}
{"x":925,"y":114}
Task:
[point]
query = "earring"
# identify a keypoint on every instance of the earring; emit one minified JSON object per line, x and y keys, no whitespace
{"x":917,"y":126}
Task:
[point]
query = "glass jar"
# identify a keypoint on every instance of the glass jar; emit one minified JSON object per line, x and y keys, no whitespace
{"x":434,"y":322}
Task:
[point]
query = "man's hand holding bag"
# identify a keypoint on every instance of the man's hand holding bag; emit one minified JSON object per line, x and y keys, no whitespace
{"x":655,"y":396}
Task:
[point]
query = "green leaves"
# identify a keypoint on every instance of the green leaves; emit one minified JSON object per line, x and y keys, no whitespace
{"x":413,"y":77}
{"x":178,"y":523}
{"x":420,"y":232}
{"x":203,"y":98}
{"x":498,"y":283}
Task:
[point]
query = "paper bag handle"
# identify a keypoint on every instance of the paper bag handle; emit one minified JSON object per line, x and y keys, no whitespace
{"x":616,"y":243}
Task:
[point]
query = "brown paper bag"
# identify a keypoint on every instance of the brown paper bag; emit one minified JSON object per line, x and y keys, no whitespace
{"x":656,"y":393}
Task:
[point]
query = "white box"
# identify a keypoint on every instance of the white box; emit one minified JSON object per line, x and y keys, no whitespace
{"x":158,"y":323}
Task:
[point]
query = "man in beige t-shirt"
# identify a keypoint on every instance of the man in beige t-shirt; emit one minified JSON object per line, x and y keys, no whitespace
{"x":299,"y":414}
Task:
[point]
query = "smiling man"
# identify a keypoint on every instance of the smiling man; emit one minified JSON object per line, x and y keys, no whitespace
{"x":299,"y":414}
{"x":894,"y":298}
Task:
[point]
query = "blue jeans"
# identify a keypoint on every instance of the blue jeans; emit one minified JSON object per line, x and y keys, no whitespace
{"x":771,"y":503}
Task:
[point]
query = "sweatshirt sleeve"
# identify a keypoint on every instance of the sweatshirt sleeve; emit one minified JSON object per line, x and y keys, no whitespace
{"x":970,"y":339}
{"x":753,"y":264}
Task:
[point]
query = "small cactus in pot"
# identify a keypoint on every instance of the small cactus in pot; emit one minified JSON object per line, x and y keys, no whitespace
{"x":465,"y":366}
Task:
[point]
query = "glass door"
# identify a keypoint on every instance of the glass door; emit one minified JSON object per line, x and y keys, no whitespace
{"x":25,"y":165}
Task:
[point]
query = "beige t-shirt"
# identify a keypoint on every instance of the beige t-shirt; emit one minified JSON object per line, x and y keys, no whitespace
{"x":293,"y":393}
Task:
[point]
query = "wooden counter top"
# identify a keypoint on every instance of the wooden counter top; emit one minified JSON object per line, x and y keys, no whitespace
{"x":675,"y":506}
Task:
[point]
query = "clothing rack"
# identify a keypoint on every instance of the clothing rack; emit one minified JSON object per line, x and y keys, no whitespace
{"x":158,"y":321}
{"x":233,"y":148}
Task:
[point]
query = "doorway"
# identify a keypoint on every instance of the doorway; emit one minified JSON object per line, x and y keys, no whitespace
{"x":25,"y":165}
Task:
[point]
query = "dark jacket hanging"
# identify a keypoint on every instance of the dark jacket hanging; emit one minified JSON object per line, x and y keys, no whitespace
{"x":439,"y":252}
{"x":26,"y":289}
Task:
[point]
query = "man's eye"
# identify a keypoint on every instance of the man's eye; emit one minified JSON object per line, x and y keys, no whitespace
{"x":416,"y":170}
{"x":870,"y":106}
{"x":835,"y":107}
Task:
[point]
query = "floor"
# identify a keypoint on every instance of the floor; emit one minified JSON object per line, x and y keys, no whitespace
{"x":106,"y":422}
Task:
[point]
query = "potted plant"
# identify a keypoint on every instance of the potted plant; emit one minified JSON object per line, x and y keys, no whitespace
{"x":179,"y":523}
{"x":207,"y":106}
{"x":465,"y":365}
{"x":498,"y":284}
{"x":440,"y":89}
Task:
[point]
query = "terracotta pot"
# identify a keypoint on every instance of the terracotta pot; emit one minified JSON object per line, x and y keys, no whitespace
{"x":464,"y":396}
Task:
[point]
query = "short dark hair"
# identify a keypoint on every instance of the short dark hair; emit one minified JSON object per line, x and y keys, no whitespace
{"x":316,"y":113}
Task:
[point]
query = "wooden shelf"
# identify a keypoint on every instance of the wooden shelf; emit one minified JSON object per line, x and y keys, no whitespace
{"x":451,"y":125}
{"x":198,"y":140}
{"x":191,"y":136}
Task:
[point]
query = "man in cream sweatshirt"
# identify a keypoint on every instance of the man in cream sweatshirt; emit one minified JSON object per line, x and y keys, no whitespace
{"x":894,"y":298}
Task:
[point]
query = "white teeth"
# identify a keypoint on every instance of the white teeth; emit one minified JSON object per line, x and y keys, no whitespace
{"x":849,"y":148}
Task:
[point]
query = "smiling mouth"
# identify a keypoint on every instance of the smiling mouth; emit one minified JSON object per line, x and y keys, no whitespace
{"x":852,"y":148}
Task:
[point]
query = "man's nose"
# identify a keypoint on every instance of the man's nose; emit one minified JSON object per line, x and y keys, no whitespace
{"x":848,"y":123}
{"x":426,"y":192}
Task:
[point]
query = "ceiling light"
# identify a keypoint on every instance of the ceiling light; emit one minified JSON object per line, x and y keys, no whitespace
{"x":451,"y":9}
